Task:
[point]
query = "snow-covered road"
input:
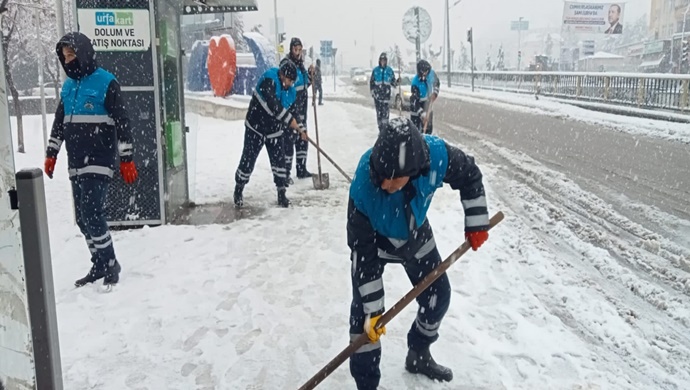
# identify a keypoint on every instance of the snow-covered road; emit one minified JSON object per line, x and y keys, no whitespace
{"x":567,"y":293}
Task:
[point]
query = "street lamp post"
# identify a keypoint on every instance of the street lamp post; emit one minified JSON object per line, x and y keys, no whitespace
{"x":449,"y":53}
{"x":41,"y":58}
{"x":519,"y":42}
{"x":682,"y":38}
{"x":275,"y":21}
{"x":59,"y":16}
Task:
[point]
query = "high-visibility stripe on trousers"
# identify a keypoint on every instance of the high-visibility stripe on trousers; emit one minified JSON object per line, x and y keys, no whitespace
{"x":89,"y":204}
{"x":253,"y":143}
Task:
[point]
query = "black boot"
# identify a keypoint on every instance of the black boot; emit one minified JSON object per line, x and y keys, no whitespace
{"x":283,"y":201}
{"x":112,"y":274}
{"x":303,"y":174}
{"x":421,"y":362}
{"x":237,"y":196}
{"x":94,"y":275}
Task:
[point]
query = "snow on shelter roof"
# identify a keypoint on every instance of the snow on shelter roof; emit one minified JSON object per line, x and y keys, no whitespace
{"x":194,"y":7}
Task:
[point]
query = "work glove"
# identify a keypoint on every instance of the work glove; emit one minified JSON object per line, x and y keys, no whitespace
{"x":476,"y":239}
{"x":370,"y":328}
{"x":129,"y":172}
{"x":49,"y":166}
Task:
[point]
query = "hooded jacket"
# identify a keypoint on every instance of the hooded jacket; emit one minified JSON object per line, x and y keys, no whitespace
{"x":91,"y":117}
{"x":383,"y":227}
{"x":381,"y":82}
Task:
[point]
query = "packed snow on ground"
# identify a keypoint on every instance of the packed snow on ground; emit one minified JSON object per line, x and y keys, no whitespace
{"x":552,"y":301}
{"x":679,"y":132}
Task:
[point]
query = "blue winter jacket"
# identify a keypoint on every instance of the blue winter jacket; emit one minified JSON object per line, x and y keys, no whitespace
{"x":383,"y":227}
{"x":381,"y":81}
{"x":91,"y":117}
{"x":271,"y":107}
{"x":421,"y":91}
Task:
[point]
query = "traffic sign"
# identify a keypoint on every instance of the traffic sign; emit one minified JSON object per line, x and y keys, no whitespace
{"x":519,"y":25}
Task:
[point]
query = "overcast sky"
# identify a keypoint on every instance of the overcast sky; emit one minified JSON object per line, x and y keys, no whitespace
{"x":354,"y":25}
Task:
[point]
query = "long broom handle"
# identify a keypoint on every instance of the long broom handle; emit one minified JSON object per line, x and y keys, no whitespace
{"x":316,"y":127}
{"x":428,"y":116}
{"x":362,"y":339}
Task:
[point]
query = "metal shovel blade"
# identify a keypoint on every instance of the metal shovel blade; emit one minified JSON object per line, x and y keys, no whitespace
{"x":321,"y":182}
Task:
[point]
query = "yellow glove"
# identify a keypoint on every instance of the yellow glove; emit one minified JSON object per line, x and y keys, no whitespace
{"x":370,"y":327}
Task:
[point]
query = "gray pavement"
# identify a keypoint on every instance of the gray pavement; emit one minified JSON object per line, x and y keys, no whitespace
{"x":604,"y":161}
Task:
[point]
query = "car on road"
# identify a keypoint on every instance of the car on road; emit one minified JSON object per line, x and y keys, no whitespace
{"x":360,"y":77}
{"x":399,"y":101}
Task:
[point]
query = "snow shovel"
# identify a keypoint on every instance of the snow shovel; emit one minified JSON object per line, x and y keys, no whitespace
{"x":321,"y":180}
{"x":428,"y":115}
{"x":393,"y":311}
{"x":311,"y":141}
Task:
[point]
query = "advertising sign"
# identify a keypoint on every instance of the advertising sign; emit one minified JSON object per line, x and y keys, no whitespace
{"x":597,"y":18}
{"x":116,"y":29}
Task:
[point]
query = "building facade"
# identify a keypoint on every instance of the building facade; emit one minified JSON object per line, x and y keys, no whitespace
{"x":666,"y":17}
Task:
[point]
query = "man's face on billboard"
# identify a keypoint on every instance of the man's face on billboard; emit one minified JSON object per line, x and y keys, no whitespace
{"x":614,"y":14}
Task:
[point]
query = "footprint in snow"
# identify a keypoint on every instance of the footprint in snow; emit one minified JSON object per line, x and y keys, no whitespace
{"x":134,"y":379}
{"x":247,"y":342}
{"x":194,"y":339}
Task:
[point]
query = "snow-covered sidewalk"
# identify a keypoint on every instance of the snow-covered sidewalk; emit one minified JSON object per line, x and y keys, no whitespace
{"x":263,"y":303}
{"x":672,"y":131}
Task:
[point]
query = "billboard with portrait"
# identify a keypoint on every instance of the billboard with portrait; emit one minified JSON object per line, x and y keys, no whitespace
{"x":596,"y":18}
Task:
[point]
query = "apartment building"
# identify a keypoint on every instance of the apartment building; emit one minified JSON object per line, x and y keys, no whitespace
{"x":666,"y":17}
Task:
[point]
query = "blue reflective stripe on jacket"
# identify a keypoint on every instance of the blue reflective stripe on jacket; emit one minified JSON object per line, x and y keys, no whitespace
{"x":286,"y":96}
{"x":386,"y":212}
{"x":86,"y":98}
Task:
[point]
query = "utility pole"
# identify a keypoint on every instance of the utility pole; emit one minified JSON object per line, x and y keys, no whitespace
{"x":60,"y":19}
{"x":470,"y":39}
{"x":41,"y":58}
{"x":275,"y":21}
{"x":682,"y":38}
{"x":448,"y":41}
{"x":519,"y":42}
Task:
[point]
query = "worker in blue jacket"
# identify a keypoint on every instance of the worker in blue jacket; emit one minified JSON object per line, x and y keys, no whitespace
{"x":92,"y":121}
{"x":292,"y":140}
{"x":380,"y":84}
{"x":270,"y":111}
{"x":387,"y":222}
{"x":425,"y":89}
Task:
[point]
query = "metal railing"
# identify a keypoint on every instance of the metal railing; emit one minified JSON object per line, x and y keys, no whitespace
{"x":641,"y":90}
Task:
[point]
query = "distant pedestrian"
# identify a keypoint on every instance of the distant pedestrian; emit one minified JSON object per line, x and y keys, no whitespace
{"x":380,"y":84}
{"x":294,"y":144}
{"x":318,"y":81}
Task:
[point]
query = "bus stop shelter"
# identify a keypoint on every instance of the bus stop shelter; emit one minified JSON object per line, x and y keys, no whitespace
{"x":139,"y":42}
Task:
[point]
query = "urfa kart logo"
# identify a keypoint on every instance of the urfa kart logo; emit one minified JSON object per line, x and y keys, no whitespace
{"x":111,"y":18}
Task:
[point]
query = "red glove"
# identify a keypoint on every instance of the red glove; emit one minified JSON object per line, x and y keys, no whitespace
{"x":49,"y":166}
{"x":476,"y":239}
{"x":128,"y":172}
